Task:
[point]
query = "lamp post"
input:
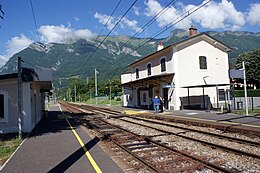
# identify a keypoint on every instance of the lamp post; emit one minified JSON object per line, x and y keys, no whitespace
{"x":20,"y":97}
{"x":244,"y":75}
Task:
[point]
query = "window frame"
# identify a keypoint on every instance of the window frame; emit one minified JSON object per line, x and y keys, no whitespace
{"x":137,"y":75}
{"x":5,"y":94}
{"x":163,"y":65}
{"x":203,"y":64}
{"x":149,"y":69}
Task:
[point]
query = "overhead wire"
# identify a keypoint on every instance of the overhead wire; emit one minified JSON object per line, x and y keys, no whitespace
{"x":1,"y":10}
{"x":109,"y":33}
{"x":151,"y":21}
{"x":34,"y":19}
{"x":169,"y":25}
{"x":104,"y":26}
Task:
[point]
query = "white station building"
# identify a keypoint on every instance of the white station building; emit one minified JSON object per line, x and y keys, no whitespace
{"x":192,"y":73}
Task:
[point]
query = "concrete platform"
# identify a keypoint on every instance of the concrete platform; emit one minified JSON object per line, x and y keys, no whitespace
{"x":250,"y":122}
{"x":53,"y":146}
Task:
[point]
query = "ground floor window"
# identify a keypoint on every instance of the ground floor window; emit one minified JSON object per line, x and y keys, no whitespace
{"x":3,"y":105}
{"x":221,"y":94}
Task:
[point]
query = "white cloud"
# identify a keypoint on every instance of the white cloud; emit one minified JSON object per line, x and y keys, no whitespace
{"x":76,"y":19}
{"x":130,"y":24}
{"x":214,"y":15}
{"x":13,"y":46}
{"x":136,"y":10}
{"x":102,"y":18}
{"x":61,"y":34}
{"x":253,"y":16}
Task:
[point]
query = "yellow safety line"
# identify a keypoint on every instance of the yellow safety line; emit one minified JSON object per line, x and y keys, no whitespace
{"x":90,"y":158}
{"x":224,"y":122}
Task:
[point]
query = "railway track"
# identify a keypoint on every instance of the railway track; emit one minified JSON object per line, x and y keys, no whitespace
{"x":171,"y":148}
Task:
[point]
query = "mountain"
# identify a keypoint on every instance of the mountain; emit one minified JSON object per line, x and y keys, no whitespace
{"x":112,"y":57}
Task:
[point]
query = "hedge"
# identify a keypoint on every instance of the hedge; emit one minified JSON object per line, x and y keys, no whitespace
{"x":250,"y":93}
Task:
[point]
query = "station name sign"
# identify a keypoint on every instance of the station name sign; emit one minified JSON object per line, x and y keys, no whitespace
{"x":169,"y":86}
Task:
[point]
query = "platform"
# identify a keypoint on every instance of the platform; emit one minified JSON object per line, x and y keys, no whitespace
{"x":250,"y":122}
{"x":58,"y":144}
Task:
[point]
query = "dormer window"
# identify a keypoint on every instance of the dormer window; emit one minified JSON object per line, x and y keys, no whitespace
{"x":137,"y":73}
{"x":149,"y":69}
{"x":163,"y":65}
{"x":203,"y":62}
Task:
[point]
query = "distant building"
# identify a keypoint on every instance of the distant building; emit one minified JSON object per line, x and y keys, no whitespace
{"x":188,"y":74}
{"x":36,"y":84}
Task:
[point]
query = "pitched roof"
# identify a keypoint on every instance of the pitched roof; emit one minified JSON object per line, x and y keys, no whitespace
{"x":214,"y":41}
{"x":28,"y":74}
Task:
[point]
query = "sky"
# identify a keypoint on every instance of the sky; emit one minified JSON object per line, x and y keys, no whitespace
{"x":63,"y":21}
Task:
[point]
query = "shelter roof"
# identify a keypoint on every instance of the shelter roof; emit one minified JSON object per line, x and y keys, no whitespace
{"x":151,"y":80}
{"x":205,"y":86}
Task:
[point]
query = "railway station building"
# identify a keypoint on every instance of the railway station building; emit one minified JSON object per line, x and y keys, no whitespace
{"x":36,"y":85}
{"x":192,"y":73}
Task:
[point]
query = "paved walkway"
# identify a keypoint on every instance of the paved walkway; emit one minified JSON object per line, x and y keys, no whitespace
{"x":54,"y":147}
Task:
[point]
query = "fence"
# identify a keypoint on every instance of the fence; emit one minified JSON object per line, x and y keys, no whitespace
{"x":239,"y":103}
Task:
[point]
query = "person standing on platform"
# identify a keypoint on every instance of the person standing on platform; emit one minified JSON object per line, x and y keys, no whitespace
{"x":161,"y":104}
{"x":156,"y":104}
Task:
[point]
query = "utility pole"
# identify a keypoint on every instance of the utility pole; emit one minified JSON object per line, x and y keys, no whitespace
{"x":90,"y":96}
{"x":244,"y":73}
{"x":96,"y":93}
{"x":20,"y":97}
{"x":75,"y":93}
{"x":110,"y":91}
{"x":87,"y":80}
{"x":69,"y":95}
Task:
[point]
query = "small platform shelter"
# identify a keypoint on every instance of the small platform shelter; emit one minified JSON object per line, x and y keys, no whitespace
{"x":36,"y":85}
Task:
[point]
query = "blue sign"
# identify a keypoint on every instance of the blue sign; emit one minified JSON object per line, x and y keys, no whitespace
{"x":169,"y":86}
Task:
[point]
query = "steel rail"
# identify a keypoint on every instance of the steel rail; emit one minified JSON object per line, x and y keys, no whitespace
{"x":194,"y":159}
{"x":257,"y":144}
{"x":205,"y":163}
{"x":203,"y":142}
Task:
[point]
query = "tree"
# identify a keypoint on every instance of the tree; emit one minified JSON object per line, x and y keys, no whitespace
{"x":252,"y":65}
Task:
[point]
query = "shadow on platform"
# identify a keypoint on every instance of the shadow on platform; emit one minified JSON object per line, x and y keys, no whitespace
{"x":69,"y":161}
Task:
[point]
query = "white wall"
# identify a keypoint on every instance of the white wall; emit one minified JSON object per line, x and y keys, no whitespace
{"x":127,"y":97}
{"x":126,"y":78}
{"x":190,"y":74}
{"x":156,"y":65}
{"x":26,"y":108}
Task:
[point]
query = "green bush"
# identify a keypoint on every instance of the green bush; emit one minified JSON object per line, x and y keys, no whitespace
{"x":250,"y":93}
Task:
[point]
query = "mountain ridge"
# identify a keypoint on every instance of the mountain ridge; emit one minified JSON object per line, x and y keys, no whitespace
{"x":113,"y":56}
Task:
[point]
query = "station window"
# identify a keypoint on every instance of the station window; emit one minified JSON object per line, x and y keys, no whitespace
{"x":137,"y":73}
{"x":221,"y":94}
{"x":203,"y":62}
{"x":149,"y":69}
{"x":3,"y":105}
{"x":163,"y":65}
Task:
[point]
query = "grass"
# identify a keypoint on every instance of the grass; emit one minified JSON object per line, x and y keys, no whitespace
{"x":8,"y":144}
{"x":250,"y":112}
{"x":103,"y":102}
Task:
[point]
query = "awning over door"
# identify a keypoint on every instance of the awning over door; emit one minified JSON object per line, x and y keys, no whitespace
{"x":155,"y":80}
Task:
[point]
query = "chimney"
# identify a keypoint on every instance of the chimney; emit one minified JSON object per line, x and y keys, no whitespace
{"x":160,"y":46}
{"x":192,"y":30}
